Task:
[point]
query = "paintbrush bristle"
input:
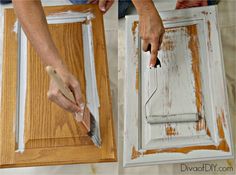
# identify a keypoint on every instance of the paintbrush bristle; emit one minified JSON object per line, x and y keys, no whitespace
{"x":94,"y":131}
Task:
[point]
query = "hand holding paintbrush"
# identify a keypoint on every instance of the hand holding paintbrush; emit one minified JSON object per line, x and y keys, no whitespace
{"x":81,"y":116}
{"x":85,"y":117}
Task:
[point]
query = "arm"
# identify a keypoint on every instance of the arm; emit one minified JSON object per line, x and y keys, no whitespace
{"x":32,"y":18}
{"x":150,"y":27}
{"x":180,"y":4}
{"x":104,"y":5}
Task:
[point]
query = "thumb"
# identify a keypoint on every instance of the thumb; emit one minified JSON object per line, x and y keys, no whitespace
{"x":102,"y":5}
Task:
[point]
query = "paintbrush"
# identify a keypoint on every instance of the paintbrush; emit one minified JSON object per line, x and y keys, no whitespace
{"x":86,"y":117}
{"x":158,"y":62}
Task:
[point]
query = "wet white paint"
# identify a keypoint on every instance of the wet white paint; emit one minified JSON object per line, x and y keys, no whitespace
{"x":63,"y":17}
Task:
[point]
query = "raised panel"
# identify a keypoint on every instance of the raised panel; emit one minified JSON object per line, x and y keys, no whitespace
{"x":177,"y":97}
{"x":54,"y":126}
{"x":43,"y":133}
{"x":179,"y":111}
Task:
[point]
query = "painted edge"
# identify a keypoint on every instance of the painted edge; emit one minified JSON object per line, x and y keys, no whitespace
{"x":229,"y":119}
{"x":128,"y":163}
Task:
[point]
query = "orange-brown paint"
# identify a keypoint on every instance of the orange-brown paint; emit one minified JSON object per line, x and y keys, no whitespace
{"x":193,"y":46}
{"x":223,"y":146}
{"x":223,"y":118}
{"x":209,"y":35}
{"x":135,"y":154}
{"x":134,"y":26}
{"x":167,"y":44}
{"x":201,"y":124}
{"x":220,"y":128}
{"x":170,"y":131}
{"x":208,"y":132}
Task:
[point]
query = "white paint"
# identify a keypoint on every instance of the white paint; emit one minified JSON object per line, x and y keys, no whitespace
{"x":177,"y":61}
{"x":63,"y":18}
{"x":69,"y":17}
{"x":90,"y":73}
{"x":140,"y":134}
{"x":173,"y":77}
{"x":21,"y":89}
{"x":172,"y":118}
{"x":16,"y":26}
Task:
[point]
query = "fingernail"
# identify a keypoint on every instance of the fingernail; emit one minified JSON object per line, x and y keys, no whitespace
{"x":82,"y":105}
{"x":103,"y":9}
{"x":151,"y":66}
{"x":79,"y":116}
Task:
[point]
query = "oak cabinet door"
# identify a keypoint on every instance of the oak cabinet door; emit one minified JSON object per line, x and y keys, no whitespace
{"x":177,"y":112}
{"x":35,"y":131}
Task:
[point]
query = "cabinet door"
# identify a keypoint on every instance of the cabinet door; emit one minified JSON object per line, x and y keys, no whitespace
{"x":177,"y":112}
{"x":35,"y":131}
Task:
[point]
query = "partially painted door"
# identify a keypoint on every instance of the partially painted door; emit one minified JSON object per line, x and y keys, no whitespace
{"x":177,"y":112}
{"x":35,"y":131}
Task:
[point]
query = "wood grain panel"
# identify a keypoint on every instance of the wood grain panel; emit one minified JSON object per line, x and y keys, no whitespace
{"x":8,"y":99}
{"x":52,"y":135}
{"x":54,"y":126}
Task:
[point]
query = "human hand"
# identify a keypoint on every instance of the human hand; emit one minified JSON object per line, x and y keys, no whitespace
{"x":151,"y":32}
{"x":104,"y":5}
{"x":57,"y":97}
{"x":190,"y":3}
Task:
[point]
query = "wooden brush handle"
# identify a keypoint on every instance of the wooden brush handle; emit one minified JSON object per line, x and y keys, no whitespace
{"x":60,"y":84}
{"x":84,"y":120}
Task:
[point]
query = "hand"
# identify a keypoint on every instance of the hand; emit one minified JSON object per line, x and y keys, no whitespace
{"x":104,"y":5}
{"x":151,"y":31}
{"x":57,"y":97}
{"x":190,"y":3}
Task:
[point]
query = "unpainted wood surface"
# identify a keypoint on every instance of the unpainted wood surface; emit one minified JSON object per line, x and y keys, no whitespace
{"x":8,"y":99}
{"x":54,"y":126}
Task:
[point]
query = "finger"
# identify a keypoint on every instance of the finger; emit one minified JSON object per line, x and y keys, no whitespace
{"x":160,"y":41}
{"x":154,"y":53}
{"x":66,"y":104}
{"x":145,"y":45}
{"x":102,"y":5}
{"x":77,"y":94}
{"x":109,"y":4}
{"x":93,"y":1}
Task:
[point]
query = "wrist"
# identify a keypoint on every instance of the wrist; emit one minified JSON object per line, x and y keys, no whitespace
{"x":53,"y":60}
{"x":146,"y":8}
